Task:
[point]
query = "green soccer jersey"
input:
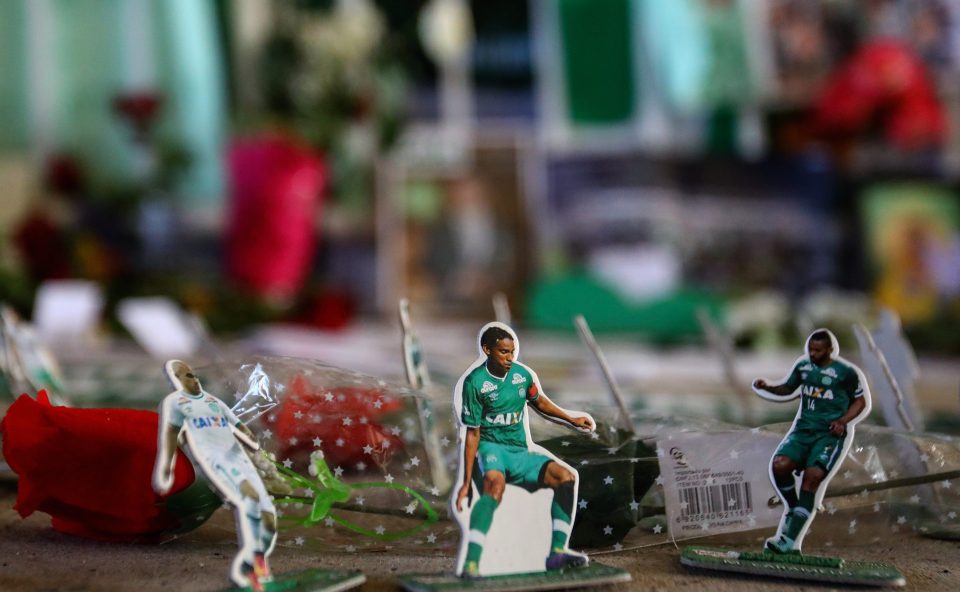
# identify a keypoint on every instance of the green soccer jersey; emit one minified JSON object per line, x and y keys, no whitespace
{"x":496,"y":405}
{"x":826,"y":393}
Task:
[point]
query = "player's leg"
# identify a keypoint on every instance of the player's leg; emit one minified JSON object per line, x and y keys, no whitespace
{"x":252,"y":558}
{"x":782,"y":468}
{"x":224,"y":479}
{"x":266,"y":534}
{"x":563,"y":482}
{"x":788,"y":458}
{"x":825,"y":454}
{"x":481,"y":517}
{"x":801,"y":514}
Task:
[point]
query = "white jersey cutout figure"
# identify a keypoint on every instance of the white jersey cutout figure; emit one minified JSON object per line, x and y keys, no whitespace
{"x":490,"y":403}
{"x":834,"y":397}
{"x":211,"y":435}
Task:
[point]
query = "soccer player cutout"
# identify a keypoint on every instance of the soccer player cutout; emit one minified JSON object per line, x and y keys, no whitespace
{"x":211,"y":436}
{"x":490,"y":402}
{"x":834,"y":397}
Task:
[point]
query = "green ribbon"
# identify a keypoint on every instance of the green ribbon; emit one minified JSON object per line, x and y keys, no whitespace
{"x":329,"y":491}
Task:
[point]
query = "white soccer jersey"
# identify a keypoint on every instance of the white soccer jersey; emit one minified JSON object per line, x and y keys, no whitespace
{"x":208,"y":422}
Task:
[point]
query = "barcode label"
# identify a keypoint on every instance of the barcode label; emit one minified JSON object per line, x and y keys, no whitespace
{"x":712,"y":501}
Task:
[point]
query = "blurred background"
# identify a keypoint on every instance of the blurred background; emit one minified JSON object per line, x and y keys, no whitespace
{"x":286,"y":171}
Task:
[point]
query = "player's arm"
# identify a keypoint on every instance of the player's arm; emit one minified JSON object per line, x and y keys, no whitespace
{"x":839,"y":426}
{"x":163,"y":466}
{"x":470,"y":446}
{"x":471,"y":412}
{"x":240,"y":430}
{"x":544,"y":405}
{"x":780,"y":390}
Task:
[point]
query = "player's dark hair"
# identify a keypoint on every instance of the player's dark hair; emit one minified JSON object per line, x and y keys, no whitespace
{"x":822,"y":336}
{"x":492,"y":335}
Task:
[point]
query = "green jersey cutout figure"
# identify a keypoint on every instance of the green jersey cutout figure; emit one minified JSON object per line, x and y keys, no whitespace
{"x":834,"y":397}
{"x":211,"y":436}
{"x":490,"y":403}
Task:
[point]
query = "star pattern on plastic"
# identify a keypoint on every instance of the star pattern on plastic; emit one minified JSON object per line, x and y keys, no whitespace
{"x":634,"y":505}
{"x":608,"y":480}
{"x":608,"y":530}
{"x":657,"y":529}
{"x":582,"y":504}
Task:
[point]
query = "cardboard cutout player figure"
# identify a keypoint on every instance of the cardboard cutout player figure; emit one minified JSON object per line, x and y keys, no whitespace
{"x":211,"y":436}
{"x":490,"y":402}
{"x":834,"y":397}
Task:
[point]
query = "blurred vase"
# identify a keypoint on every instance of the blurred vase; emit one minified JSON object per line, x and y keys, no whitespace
{"x":275,"y":190}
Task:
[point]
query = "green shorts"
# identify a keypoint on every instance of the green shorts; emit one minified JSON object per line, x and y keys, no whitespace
{"x":520,"y":466}
{"x":810,"y":448}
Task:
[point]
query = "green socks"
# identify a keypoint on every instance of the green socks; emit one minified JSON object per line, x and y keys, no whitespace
{"x":800,"y":514}
{"x":481,"y":517}
{"x":789,"y":492}
{"x":560,"y":512}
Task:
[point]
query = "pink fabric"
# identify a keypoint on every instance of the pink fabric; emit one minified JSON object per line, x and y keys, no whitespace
{"x":275,"y":192}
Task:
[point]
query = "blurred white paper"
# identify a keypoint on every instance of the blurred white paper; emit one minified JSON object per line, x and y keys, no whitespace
{"x":67,"y":310}
{"x":160,"y":326}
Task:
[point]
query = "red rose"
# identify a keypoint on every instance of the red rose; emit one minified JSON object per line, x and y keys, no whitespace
{"x":90,"y":469}
{"x":346,"y":420}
